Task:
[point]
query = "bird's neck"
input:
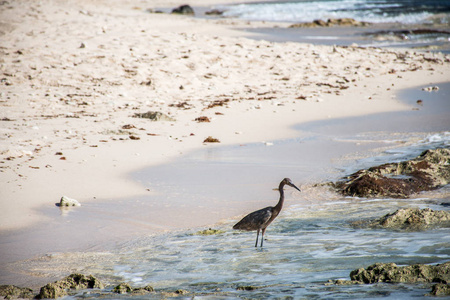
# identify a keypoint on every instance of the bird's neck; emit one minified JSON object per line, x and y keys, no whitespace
{"x":281,"y":201}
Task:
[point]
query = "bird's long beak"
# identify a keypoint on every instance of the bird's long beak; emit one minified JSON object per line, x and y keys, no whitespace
{"x":295,"y":187}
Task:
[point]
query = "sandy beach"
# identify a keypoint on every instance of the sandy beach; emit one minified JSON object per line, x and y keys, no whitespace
{"x":74,"y":74}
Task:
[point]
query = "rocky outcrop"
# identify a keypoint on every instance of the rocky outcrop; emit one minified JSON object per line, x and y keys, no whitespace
{"x":62,"y":287}
{"x":428,"y":171}
{"x":15,"y":292}
{"x":390,"y":272}
{"x":413,"y":219}
{"x":331,"y":23}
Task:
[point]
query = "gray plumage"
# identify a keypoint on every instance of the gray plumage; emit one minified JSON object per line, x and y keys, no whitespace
{"x":260,"y":219}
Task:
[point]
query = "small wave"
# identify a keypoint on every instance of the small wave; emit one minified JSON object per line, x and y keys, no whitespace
{"x":375,"y":11}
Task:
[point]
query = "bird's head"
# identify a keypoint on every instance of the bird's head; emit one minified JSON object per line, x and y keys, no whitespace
{"x":289,"y":182}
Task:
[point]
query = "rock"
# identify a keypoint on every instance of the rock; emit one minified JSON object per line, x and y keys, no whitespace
{"x":14,"y":292}
{"x":430,"y":89}
{"x":428,"y":171}
{"x":413,"y":219}
{"x":390,"y":272}
{"x":66,"y":201}
{"x":440,"y":289}
{"x":183,"y":10}
{"x":74,"y":281}
{"x":331,"y":23}
{"x":154,"y":116}
{"x":123,"y":288}
{"x":210,"y":139}
{"x":143,"y":291}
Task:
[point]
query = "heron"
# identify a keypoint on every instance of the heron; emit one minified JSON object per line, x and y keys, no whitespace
{"x":260,"y":219}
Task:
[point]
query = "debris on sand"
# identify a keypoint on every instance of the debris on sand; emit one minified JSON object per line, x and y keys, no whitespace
{"x":154,"y":116}
{"x":210,"y":139}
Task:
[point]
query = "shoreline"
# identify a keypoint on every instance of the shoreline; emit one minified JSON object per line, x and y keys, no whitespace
{"x":59,"y":97}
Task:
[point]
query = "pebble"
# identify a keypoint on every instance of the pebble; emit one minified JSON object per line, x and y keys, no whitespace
{"x":431,"y":89}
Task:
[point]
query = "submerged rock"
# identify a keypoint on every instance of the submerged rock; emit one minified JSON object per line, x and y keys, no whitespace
{"x":247,"y":288}
{"x":74,"y":281}
{"x":125,"y":288}
{"x":209,"y":232}
{"x":154,"y":116}
{"x":413,"y":219}
{"x":14,"y":292}
{"x":428,"y":171}
{"x":390,"y":272}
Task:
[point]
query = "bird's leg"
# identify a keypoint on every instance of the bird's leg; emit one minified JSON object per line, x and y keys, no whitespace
{"x":257,"y":235}
{"x":262,"y":236}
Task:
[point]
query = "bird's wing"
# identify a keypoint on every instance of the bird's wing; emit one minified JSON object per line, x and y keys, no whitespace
{"x":255,"y":220}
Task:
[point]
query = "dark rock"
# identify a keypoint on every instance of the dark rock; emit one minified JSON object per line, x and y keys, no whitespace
{"x":183,"y":10}
{"x":413,"y":219}
{"x":428,"y":171}
{"x":128,"y":126}
{"x":390,"y":272}
{"x":154,"y":116}
{"x":246,"y":288}
{"x":440,"y":289}
{"x":14,"y":292}
{"x":74,"y":281}
{"x":123,"y":288}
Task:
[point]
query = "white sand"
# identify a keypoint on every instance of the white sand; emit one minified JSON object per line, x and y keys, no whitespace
{"x":60,"y":97}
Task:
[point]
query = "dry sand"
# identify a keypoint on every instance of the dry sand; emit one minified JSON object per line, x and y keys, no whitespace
{"x":73,"y":73}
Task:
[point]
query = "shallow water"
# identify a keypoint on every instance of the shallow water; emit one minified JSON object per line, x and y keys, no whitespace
{"x":304,"y":249}
{"x":393,"y":23}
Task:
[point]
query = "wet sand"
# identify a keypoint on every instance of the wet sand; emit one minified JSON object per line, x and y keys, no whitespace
{"x":62,"y":100}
